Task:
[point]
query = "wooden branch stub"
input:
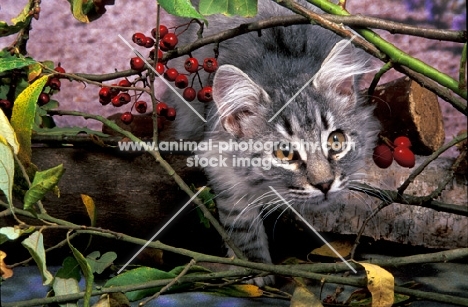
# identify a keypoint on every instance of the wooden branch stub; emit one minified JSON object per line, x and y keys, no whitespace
{"x":405,"y":108}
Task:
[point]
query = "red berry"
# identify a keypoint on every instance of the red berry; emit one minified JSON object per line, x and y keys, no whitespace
{"x":137,"y":63}
{"x":149,"y":42}
{"x":171,"y":74}
{"x":104,"y":101}
{"x":161,"y":109}
{"x":59,"y":69}
{"x":189,"y":94}
{"x":210,"y":65}
{"x":141,"y":106}
{"x":125,"y":83}
{"x":162,"y":46}
{"x":160,"y":68}
{"x":43,"y":99}
{"x":171,"y":114}
{"x":162,"y":31}
{"x":55,"y":83}
{"x":114,"y":91}
{"x":205,"y":94}
{"x":116,"y":102}
{"x":124,"y":98}
{"x":160,"y":55}
{"x":126,"y":118}
{"x":181,"y":81}
{"x":105,"y":95}
{"x":139,"y":38}
{"x":404,"y":156}
{"x":191,"y":65}
{"x":5,"y":104}
{"x":402,"y":141}
{"x":170,"y":40}
{"x":383,"y":156}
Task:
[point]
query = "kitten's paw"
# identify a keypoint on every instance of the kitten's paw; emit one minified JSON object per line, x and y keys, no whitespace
{"x":262,"y":281}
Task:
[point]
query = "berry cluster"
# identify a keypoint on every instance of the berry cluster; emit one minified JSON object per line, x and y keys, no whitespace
{"x":120,"y":97}
{"x":399,"y":150}
{"x":168,"y":40}
{"x":53,"y":85}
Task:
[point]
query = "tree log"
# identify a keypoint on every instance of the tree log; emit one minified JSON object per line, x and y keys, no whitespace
{"x":134,"y":195}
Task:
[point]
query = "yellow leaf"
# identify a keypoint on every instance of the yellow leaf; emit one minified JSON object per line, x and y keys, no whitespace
{"x":342,"y":247}
{"x":4,"y":271}
{"x":34,"y":71}
{"x":90,"y":208}
{"x":22,"y":118}
{"x":302,"y":297}
{"x":7,"y":134}
{"x":250,"y":290}
{"x":380,"y":284}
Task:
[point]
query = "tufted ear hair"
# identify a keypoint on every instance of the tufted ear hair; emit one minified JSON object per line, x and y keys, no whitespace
{"x":341,"y":69}
{"x":240,"y":101}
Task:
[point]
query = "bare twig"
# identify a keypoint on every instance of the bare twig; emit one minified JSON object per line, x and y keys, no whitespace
{"x":364,"y":224}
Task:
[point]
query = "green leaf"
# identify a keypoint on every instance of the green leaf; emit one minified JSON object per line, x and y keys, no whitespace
{"x":67,"y":131}
{"x":87,"y":272}
{"x":35,"y":245}
{"x":7,"y":171}
{"x":207,"y":198}
{"x":19,"y":22}
{"x":64,"y":286}
{"x":182,"y":8}
{"x":14,"y":62}
{"x":52,"y":104}
{"x":77,"y":10}
{"x":70,"y":269}
{"x":245,"y":8}
{"x":97,"y":264}
{"x":9,"y":234}
{"x":136,"y":276}
{"x":43,"y":182}
{"x":22,"y":118}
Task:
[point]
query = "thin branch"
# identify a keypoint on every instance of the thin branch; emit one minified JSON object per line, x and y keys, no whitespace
{"x":421,"y":201}
{"x":395,"y":54}
{"x":169,"y":285}
{"x":364,"y":224}
{"x":462,"y":70}
{"x":378,"y":75}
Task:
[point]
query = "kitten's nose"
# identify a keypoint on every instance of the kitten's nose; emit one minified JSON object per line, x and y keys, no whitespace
{"x":324,"y":186}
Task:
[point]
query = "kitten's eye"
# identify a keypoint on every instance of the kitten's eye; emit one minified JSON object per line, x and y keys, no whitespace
{"x":336,"y":142}
{"x":285,"y":152}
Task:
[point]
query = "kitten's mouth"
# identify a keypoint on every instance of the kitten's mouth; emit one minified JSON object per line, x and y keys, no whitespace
{"x":304,"y":194}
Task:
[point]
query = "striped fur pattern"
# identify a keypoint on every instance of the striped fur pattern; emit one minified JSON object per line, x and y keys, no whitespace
{"x":258,"y":76}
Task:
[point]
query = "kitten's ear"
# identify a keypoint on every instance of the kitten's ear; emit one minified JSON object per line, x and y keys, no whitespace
{"x":240,"y":101}
{"x":342,"y":69}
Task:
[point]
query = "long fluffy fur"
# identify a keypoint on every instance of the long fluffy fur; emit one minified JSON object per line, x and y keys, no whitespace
{"x":260,"y":74}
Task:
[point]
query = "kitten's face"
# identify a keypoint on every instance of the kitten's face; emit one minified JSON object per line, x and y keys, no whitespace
{"x":319,"y":145}
{"x":322,"y":137}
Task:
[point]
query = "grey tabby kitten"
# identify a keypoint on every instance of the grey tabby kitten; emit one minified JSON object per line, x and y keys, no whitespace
{"x":258,"y":75}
